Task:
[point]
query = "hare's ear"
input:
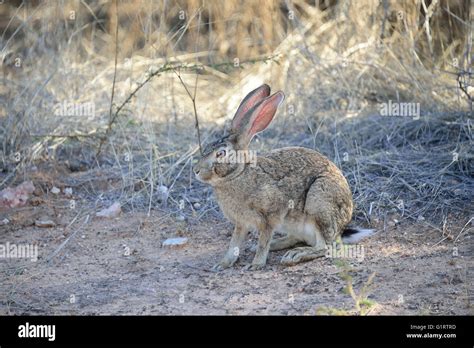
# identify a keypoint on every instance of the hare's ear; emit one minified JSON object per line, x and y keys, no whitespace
{"x":258,"y":118}
{"x":249,"y":102}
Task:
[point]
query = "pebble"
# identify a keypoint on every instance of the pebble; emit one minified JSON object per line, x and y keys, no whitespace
{"x":163,"y":192}
{"x":44,"y":223}
{"x":175,"y":242}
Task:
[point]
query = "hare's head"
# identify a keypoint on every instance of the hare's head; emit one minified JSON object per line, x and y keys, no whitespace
{"x":227,"y":157}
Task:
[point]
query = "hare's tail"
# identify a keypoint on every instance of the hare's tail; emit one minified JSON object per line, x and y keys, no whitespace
{"x":352,"y":235}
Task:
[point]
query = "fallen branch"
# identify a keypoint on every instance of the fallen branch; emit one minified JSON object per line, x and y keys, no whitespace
{"x":166,"y":68}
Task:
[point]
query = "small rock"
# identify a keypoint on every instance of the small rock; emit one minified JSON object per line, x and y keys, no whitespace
{"x":55,"y":190}
{"x":44,"y":223}
{"x":196,"y":205}
{"x":163,"y":192}
{"x":175,"y":242}
{"x":4,"y":222}
{"x":113,"y":211}
{"x":68,"y":191}
{"x":180,"y":217}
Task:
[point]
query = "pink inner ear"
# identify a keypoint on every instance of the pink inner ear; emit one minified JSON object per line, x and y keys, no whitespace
{"x":249,"y":102}
{"x":253,"y":100}
{"x":265,"y":113}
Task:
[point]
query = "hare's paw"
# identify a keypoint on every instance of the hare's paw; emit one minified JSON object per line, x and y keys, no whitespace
{"x":297,"y":255}
{"x":223,"y":264}
{"x":254,"y":266}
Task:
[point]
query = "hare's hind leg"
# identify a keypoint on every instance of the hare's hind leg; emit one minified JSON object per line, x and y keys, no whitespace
{"x":302,"y":254}
{"x":317,"y":246}
{"x":282,"y":243}
{"x":328,"y":207}
{"x":290,"y":238}
{"x":293,"y":230}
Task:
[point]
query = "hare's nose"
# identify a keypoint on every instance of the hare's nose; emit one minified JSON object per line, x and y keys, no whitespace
{"x":196,"y":170}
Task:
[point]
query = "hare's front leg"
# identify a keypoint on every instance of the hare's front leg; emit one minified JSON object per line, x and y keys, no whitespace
{"x":238,"y":236}
{"x":263,"y":247}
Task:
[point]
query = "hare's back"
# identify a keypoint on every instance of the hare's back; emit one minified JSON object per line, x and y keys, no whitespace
{"x":299,"y":161}
{"x":300,"y":165}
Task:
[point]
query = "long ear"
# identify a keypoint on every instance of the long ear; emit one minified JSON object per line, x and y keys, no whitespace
{"x":258,"y":118}
{"x":249,"y":102}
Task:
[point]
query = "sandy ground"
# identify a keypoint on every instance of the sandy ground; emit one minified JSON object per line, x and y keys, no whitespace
{"x":118,"y":266}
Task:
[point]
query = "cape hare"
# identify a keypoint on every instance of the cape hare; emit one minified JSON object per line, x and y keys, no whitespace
{"x":293,"y":190}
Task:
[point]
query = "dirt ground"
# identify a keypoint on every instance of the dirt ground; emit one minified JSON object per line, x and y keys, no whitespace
{"x":118,"y":266}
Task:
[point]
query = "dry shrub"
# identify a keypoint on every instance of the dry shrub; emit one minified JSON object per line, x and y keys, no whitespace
{"x":335,"y":60}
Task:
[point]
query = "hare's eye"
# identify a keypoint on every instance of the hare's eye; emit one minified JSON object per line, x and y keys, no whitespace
{"x":220,"y":153}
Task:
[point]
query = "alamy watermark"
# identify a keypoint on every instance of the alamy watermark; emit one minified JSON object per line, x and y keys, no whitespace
{"x":71,"y":109}
{"x":345,"y":251}
{"x":398,"y":109}
{"x":19,"y":251}
{"x":239,"y":156}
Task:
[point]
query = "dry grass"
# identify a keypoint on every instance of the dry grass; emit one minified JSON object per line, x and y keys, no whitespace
{"x":335,"y":60}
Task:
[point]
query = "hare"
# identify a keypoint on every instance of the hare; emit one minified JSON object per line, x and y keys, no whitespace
{"x":293,"y":190}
